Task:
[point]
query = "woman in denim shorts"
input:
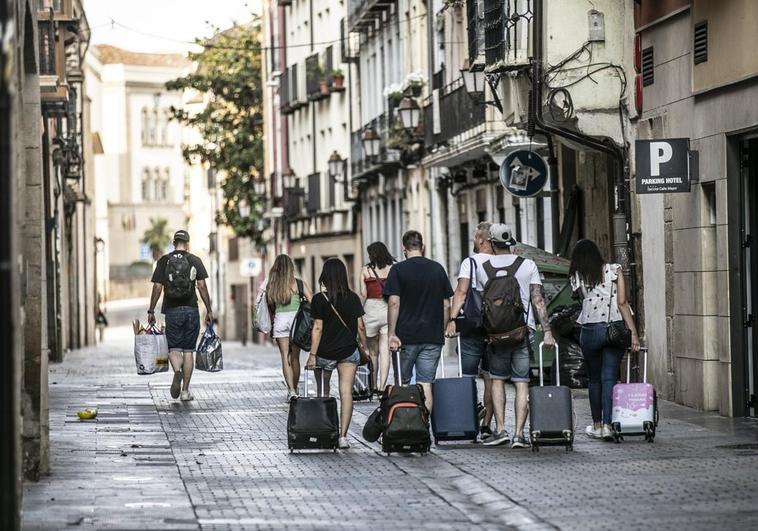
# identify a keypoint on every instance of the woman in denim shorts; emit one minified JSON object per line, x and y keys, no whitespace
{"x":337,"y":323}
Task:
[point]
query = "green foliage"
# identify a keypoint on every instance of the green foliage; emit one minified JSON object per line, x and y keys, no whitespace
{"x":231,"y":124}
{"x":156,"y":237}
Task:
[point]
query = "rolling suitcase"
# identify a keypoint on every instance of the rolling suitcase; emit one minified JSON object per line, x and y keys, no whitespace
{"x":635,"y":406}
{"x":551,"y":412}
{"x":405,"y":418}
{"x":362,"y":384}
{"x":313,"y":423}
{"x":454,"y":415}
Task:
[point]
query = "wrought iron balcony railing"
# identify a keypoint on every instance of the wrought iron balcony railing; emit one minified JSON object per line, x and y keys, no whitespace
{"x":457,"y":114}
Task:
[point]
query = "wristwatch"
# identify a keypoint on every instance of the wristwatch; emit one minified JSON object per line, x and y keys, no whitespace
{"x":150,"y":312}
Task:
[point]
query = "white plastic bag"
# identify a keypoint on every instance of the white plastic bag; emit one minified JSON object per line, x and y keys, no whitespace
{"x":262,"y":317}
{"x":150,"y":353}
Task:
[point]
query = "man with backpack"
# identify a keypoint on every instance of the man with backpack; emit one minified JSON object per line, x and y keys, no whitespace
{"x":511,"y":297}
{"x":178,"y":274}
{"x":419,"y":306}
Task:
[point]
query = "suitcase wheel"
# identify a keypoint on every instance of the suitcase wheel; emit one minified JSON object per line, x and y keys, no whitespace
{"x":535,"y":447}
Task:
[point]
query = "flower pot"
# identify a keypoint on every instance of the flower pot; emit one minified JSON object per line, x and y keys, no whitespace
{"x":338,"y":82}
{"x":324,"y":86}
{"x":395,"y":100}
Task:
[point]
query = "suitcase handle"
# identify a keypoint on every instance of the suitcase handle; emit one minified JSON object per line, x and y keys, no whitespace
{"x":460,"y":359}
{"x":557,"y":368}
{"x":306,"y":377}
{"x":629,"y":364}
{"x":399,"y":371}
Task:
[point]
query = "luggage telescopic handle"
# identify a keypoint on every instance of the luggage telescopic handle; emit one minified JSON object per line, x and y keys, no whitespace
{"x":644,"y":366}
{"x":399,"y":371}
{"x":557,"y":368}
{"x":306,"y":378}
{"x":460,"y":360}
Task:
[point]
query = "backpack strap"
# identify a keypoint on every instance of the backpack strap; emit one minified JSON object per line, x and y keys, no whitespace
{"x":513,"y":268}
{"x":300,"y":290}
{"x":492,"y":271}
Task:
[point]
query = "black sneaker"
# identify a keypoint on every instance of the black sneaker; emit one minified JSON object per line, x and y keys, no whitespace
{"x":519,"y":442}
{"x":485,"y":432}
{"x":176,"y":384}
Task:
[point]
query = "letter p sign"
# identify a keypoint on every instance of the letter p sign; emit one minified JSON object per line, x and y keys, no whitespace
{"x":660,"y":153}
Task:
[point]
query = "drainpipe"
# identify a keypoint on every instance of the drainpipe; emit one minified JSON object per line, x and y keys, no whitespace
{"x":623,"y":249}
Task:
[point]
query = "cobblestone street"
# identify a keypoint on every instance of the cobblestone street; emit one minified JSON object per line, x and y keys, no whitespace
{"x":220,"y":462}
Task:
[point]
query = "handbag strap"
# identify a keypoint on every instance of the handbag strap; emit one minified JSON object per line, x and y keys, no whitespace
{"x":335,"y":311}
{"x":610,"y":294}
{"x":300,"y":290}
{"x":379,"y":279}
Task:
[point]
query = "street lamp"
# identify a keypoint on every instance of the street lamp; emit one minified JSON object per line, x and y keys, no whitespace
{"x":371,"y":142}
{"x":289,"y":179}
{"x":410,"y":113}
{"x":259,"y":186}
{"x":335,"y":165}
{"x":473,"y":79}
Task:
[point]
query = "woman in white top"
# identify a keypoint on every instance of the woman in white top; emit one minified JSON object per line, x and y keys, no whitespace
{"x":601,"y":286}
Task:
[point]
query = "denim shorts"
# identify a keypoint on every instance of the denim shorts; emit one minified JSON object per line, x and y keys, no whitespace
{"x":424,"y":357}
{"x":474,"y":354}
{"x":182,"y":328}
{"x":509,"y":362}
{"x":330,"y":365}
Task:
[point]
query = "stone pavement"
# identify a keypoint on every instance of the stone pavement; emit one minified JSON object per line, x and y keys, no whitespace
{"x":221,"y":462}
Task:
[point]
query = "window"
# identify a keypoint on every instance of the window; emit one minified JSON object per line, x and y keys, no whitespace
{"x":145,"y":185}
{"x":234,"y":249}
{"x":156,"y":184}
{"x":165,"y":128}
{"x":164,"y":184}
{"x":709,"y":202}
{"x":144,"y":124}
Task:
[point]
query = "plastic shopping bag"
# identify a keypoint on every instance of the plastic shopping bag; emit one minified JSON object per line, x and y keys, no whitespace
{"x":262,"y":317}
{"x":208,"y":357}
{"x":150,"y":351}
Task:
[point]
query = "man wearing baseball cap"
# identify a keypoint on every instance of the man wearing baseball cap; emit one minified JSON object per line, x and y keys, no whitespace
{"x":512,"y":361}
{"x":178,"y":275}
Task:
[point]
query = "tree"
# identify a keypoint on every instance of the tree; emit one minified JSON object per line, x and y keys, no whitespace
{"x":156,"y":237}
{"x":231,"y":124}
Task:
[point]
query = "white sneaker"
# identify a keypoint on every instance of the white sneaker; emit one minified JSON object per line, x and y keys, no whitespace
{"x":291,"y":394}
{"x":343,"y":443}
{"x":186,"y":396}
{"x":593,"y":432}
{"x":607,"y":433}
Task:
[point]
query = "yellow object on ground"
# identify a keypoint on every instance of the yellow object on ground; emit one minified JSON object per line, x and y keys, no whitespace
{"x":87,"y":414}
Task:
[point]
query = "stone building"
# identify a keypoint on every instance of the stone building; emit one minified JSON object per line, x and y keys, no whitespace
{"x":698,"y":80}
{"x":47,"y":283}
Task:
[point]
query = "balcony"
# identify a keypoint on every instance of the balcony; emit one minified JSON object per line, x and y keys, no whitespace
{"x":365,"y":13}
{"x":457,"y":114}
{"x":363,"y":166}
{"x":52,"y":64}
{"x":63,"y":10}
{"x":316,"y":86}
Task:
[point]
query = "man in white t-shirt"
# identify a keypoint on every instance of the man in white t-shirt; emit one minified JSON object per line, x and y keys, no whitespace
{"x":511,"y":362}
{"x":473,"y":345}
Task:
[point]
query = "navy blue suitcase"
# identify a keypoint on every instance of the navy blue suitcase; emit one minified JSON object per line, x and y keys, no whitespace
{"x":454,"y":414}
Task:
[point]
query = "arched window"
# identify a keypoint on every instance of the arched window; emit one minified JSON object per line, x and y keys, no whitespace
{"x":152,"y":133}
{"x":164,"y":184}
{"x":146,"y":185}
{"x":144,"y":125}
{"x":166,"y":141}
{"x":156,"y":182}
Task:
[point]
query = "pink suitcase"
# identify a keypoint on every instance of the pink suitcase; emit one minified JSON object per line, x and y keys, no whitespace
{"x":635,"y":406}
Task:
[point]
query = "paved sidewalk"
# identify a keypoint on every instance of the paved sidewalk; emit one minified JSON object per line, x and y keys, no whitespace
{"x":221,"y":462}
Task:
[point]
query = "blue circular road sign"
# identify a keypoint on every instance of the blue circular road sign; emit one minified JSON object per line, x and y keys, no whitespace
{"x":524,"y":173}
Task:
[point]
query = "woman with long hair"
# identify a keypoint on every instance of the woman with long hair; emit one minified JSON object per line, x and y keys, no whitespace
{"x":602,"y":288}
{"x":283,"y":298}
{"x":337,"y":323}
{"x":374,"y":276}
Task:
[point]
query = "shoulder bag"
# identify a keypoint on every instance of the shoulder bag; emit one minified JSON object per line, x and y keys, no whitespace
{"x":469,"y":318}
{"x":361,"y":350}
{"x":619,"y":336}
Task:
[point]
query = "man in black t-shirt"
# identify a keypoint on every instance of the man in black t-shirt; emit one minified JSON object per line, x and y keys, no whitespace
{"x":419,"y":307}
{"x":178,"y":274}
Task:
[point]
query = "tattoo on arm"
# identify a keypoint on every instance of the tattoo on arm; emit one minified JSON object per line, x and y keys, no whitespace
{"x":538,"y":301}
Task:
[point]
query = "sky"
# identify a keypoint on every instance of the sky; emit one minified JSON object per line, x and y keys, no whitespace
{"x":161,"y":26}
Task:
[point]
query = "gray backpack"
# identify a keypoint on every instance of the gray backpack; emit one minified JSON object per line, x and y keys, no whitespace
{"x":503,"y":312}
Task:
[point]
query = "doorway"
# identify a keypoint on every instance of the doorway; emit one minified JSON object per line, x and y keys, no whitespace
{"x":745,"y":366}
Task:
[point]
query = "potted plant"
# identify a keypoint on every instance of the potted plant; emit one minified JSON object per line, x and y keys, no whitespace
{"x":338,"y":78}
{"x":454,"y":4}
{"x":414,"y":83}
{"x":393,"y":93}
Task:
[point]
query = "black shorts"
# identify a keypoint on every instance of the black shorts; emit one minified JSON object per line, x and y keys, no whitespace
{"x":182,"y":328}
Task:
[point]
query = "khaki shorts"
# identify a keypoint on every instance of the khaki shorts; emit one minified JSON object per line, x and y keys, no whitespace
{"x":375,"y":318}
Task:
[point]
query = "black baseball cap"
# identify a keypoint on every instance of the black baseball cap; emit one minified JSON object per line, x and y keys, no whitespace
{"x":181,"y":236}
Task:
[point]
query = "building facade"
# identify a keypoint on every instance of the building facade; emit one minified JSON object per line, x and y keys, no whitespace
{"x":312,"y":213}
{"x":47,"y":281}
{"x":697,"y":81}
{"x":145,"y":177}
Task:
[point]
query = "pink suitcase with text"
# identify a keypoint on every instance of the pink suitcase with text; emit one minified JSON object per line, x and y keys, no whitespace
{"x":635,"y":406}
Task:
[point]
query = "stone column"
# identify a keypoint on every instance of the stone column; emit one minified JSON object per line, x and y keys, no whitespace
{"x":34,"y":291}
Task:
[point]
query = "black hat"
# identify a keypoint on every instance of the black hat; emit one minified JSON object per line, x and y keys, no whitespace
{"x":181,"y":236}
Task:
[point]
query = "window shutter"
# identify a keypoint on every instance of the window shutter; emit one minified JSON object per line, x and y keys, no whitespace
{"x":473,"y":45}
{"x":700,"y":47}
{"x":494,"y":31}
{"x":314,"y":192}
{"x":648,"y":76}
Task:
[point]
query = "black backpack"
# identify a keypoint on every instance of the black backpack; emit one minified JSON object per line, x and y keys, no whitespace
{"x":302,"y":326}
{"x":503,"y":312}
{"x":178,"y":284}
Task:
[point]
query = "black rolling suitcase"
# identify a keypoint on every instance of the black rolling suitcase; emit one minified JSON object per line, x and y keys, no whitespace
{"x":405,"y":418}
{"x":454,"y":415}
{"x":551,"y":412}
{"x":313,"y":423}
